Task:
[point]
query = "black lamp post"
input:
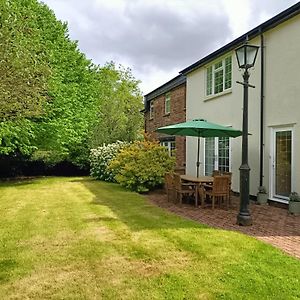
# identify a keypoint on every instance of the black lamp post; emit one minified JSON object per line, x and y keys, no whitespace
{"x":246,"y":56}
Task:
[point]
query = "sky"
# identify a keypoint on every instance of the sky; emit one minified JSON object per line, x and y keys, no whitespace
{"x":156,"y":39}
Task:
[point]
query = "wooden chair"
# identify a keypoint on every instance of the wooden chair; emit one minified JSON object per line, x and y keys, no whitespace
{"x":169,"y":186}
{"x":229,"y":174}
{"x":216,"y":173}
{"x":183,"y":189}
{"x":217,"y":191}
{"x":180,"y":170}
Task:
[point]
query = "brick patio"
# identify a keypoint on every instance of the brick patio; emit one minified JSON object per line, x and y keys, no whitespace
{"x":270,"y":224}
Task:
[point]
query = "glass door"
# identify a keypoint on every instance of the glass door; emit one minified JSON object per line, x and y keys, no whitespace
{"x":282,"y":166}
{"x":210,"y":156}
{"x":217,"y":155}
{"x":223,"y":154}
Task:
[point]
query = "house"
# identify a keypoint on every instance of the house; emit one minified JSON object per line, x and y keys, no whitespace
{"x":164,"y":106}
{"x":274,"y":107}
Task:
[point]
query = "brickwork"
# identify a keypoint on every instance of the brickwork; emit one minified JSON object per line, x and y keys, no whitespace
{"x":177,"y":114}
{"x":271,"y":224}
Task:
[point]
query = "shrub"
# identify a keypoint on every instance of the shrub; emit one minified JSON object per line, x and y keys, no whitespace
{"x":141,"y":166}
{"x":262,"y":190}
{"x":100,"y":158}
{"x":294,"y":197}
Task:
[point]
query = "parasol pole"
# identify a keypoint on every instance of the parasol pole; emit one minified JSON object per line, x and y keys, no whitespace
{"x":198,"y":157}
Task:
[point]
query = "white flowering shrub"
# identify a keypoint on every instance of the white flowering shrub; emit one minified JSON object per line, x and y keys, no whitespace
{"x":100,"y":159}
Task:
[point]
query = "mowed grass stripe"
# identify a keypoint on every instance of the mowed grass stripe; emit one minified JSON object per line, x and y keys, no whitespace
{"x":76,"y":238}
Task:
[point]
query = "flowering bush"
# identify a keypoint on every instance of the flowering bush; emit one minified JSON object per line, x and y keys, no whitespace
{"x":141,"y":166}
{"x":100,"y":158}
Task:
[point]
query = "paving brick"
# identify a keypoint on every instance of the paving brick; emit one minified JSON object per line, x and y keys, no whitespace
{"x":270,"y":224}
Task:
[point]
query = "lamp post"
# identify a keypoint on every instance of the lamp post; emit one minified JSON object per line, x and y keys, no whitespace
{"x":246,"y":56}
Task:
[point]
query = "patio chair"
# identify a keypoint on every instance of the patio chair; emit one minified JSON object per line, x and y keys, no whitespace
{"x":183,"y":189}
{"x":216,"y":173}
{"x":169,"y":186}
{"x":229,"y":174}
{"x":218,"y":191}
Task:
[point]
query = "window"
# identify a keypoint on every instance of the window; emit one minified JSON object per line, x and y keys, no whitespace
{"x":167,"y":103}
{"x":217,"y":155}
{"x":170,"y":145}
{"x":151,"y":110}
{"x":218,"y":77}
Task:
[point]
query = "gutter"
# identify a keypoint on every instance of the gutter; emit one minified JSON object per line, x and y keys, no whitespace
{"x":262,"y":97}
{"x":258,"y":30}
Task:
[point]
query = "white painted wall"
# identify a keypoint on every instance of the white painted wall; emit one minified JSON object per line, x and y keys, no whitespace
{"x":282,"y":103}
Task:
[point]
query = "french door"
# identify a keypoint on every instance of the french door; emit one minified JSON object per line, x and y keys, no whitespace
{"x":217,"y":155}
{"x":282,"y":162}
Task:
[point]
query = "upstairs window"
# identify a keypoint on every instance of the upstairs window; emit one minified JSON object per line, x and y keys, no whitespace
{"x":151,"y":110}
{"x":167,"y":103}
{"x":218,"y":77}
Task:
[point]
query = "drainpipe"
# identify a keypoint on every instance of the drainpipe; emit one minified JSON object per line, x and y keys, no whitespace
{"x":262,"y":96}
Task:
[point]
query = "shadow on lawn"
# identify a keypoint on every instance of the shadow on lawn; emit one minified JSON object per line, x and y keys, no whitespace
{"x":99,"y":219}
{"x":16,"y":182}
{"x":132,"y":209}
{"x":269,"y":222}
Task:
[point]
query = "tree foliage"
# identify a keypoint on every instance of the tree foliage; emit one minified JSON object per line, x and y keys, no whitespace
{"x":23,"y":69}
{"x":119,"y":114}
{"x":16,"y":137}
{"x":54,"y":102}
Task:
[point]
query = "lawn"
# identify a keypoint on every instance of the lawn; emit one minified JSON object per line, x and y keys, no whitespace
{"x":76,"y":238}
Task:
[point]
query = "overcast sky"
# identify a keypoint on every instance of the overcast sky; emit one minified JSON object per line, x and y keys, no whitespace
{"x":158,"y":38}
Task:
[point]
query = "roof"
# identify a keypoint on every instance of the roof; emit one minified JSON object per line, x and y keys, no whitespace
{"x":271,"y":23}
{"x":166,"y":87}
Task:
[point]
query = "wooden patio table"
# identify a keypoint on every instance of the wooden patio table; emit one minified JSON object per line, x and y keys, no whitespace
{"x":198,"y":180}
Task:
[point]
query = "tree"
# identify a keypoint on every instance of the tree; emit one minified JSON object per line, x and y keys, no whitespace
{"x":63,"y":103}
{"x":119,"y":114}
{"x":23,"y":69}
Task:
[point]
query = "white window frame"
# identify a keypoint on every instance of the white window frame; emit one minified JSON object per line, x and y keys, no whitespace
{"x":167,"y":100}
{"x":214,"y":71}
{"x":168,"y":145}
{"x":272,"y":175}
{"x":151,"y":110}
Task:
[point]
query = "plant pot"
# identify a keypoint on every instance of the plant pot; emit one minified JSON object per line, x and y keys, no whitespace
{"x":294,"y":207}
{"x":262,"y":198}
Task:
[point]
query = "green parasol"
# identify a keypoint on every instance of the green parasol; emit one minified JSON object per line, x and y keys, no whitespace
{"x":199,"y":128}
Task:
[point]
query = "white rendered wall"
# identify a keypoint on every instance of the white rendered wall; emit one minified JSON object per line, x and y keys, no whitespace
{"x":282,"y":91}
{"x":282,"y":103}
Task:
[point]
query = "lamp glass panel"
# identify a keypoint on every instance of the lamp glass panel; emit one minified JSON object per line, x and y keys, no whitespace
{"x":251,"y":54}
{"x":246,"y":56}
{"x":240,"y":56}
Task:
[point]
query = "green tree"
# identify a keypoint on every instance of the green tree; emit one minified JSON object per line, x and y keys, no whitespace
{"x":119,"y":114}
{"x":16,"y":137}
{"x":63,"y":104}
{"x":23,"y":69}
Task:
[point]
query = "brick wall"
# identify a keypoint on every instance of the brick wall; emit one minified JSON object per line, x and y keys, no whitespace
{"x":177,"y":115}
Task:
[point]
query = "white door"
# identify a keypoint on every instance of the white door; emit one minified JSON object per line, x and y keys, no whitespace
{"x":282,"y":163}
{"x":216,"y":155}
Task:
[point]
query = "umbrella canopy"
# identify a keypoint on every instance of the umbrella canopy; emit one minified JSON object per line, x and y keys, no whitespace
{"x":199,"y":128}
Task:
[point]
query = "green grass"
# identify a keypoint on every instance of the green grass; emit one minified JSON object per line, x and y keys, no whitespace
{"x":75,"y":238}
